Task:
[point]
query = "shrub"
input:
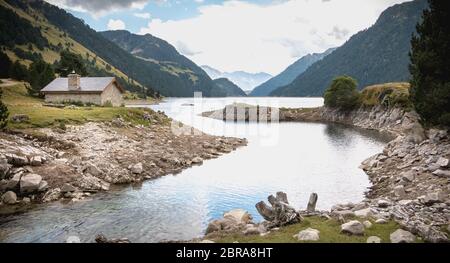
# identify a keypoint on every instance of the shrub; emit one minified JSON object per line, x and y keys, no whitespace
{"x":3,"y":112}
{"x":108,"y":104}
{"x":342,"y":94}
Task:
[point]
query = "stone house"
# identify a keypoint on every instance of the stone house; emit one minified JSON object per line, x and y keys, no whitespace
{"x":95,"y":90}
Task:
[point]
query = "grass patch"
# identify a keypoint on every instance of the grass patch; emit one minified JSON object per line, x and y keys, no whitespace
{"x":18,"y":102}
{"x":388,"y":94}
{"x":329,"y":233}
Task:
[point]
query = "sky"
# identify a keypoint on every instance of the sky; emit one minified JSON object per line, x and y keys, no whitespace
{"x":253,"y":36}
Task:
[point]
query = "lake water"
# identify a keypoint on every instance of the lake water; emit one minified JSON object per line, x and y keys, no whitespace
{"x":297,"y":158}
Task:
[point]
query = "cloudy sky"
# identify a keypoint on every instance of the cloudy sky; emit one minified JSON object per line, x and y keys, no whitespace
{"x":254,"y":36}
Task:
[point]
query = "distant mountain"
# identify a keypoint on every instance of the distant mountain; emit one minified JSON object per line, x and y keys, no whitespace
{"x":289,"y":74}
{"x":226,"y":88}
{"x":376,"y":55}
{"x":175,"y":77}
{"x":245,"y":80}
{"x":160,"y":52}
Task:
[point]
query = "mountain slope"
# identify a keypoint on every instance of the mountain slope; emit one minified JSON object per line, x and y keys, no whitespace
{"x":149,"y":74}
{"x":226,"y":88}
{"x":376,"y":55}
{"x":289,"y":74}
{"x":160,"y":52}
{"x":245,"y":80}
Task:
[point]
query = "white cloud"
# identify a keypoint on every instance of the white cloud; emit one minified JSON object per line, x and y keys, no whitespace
{"x":238,"y":35}
{"x":116,"y":24}
{"x":143,"y":15}
{"x":99,"y":8}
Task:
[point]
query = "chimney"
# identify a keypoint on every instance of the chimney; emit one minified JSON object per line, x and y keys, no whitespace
{"x":74,"y":81}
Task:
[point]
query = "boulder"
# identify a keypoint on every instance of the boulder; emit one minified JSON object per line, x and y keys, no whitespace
{"x":367,"y":224}
{"x":381,"y":221}
{"x":17,"y":160}
{"x":399,"y":191}
{"x":353,"y":228}
{"x":239,"y":215}
{"x":442,"y":173}
{"x":14,"y":182}
{"x":308,"y":234}
{"x":67,"y":188}
{"x":373,"y":239}
{"x":251,"y":230}
{"x":30,"y":183}
{"x":312,"y":202}
{"x":92,"y":170}
{"x":197,"y":160}
{"x":36,"y":161}
{"x":402,"y":236}
{"x":9,"y":198}
{"x":432,"y":198}
{"x":408,"y":176}
{"x":91,"y":183}
{"x":26,"y":200}
{"x":383,"y":203}
{"x":137,"y":168}
{"x":443,"y":162}
{"x":415,"y":133}
{"x":364,"y":213}
{"x":4,"y":167}
{"x":213,"y":226}
{"x":343,"y":213}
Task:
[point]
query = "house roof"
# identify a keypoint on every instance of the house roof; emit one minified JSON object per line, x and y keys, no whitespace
{"x":87,"y":85}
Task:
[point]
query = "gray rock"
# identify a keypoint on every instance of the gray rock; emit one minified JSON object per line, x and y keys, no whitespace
{"x":43,"y":186}
{"x":137,"y":168}
{"x":442,"y":173}
{"x":399,"y":191}
{"x":14,"y":182}
{"x":373,"y":239}
{"x":36,"y":161}
{"x":206,"y":241}
{"x":30,"y":183}
{"x":312,"y":202}
{"x":52,"y":195}
{"x":89,"y":182}
{"x":26,"y":200}
{"x":364,"y":213}
{"x":17,"y":160}
{"x":381,"y":221}
{"x":367,"y":224}
{"x":308,"y":234}
{"x":67,"y":188}
{"x":353,"y":228}
{"x":432,"y":198}
{"x":4,"y":167}
{"x":197,"y":160}
{"x":239,"y":215}
{"x":443,"y":162}
{"x":415,"y":133}
{"x":92,"y":170}
{"x":402,"y":236}
{"x":405,"y":202}
{"x":251,"y":230}
{"x":383,"y":203}
{"x":408,"y":176}
{"x":9,"y":198}
{"x":343,"y":213}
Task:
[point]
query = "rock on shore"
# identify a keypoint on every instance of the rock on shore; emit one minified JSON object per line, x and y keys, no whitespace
{"x":44,"y":164}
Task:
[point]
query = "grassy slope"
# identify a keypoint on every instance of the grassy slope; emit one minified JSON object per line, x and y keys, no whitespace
{"x":55,"y":36}
{"x":398,"y":94}
{"x":18,"y":102}
{"x":329,"y":233}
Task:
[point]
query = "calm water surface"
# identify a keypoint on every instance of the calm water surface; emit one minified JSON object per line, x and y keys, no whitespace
{"x":297,"y":158}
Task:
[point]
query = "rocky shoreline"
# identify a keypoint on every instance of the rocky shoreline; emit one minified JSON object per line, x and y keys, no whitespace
{"x":49,"y":164}
{"x":410,"y":178}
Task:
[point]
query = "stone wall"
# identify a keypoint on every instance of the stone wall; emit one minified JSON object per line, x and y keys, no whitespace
{"x":85,"y":98}
{"x":113,"y":95}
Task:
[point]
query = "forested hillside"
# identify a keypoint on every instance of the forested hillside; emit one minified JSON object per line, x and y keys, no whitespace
{"x":376,"y":55}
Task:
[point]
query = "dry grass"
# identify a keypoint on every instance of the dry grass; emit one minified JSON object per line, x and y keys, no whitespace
{"x":390,"y":94}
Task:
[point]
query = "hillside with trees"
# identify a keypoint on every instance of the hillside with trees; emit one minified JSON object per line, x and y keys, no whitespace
{"x":376,"y":55}
{"x":289,"y":74}
{"x":226,"y":88}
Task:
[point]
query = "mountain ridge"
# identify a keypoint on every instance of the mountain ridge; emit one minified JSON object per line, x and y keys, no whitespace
{"x":289,"y":74}
{"x":378,"y":54}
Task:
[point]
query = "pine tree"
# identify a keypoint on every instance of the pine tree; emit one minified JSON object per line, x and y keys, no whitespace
{"x":5,"y":65}
{"x":430,"y":65}
{"x":40,"y":74}
{"x":70,"y":62}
